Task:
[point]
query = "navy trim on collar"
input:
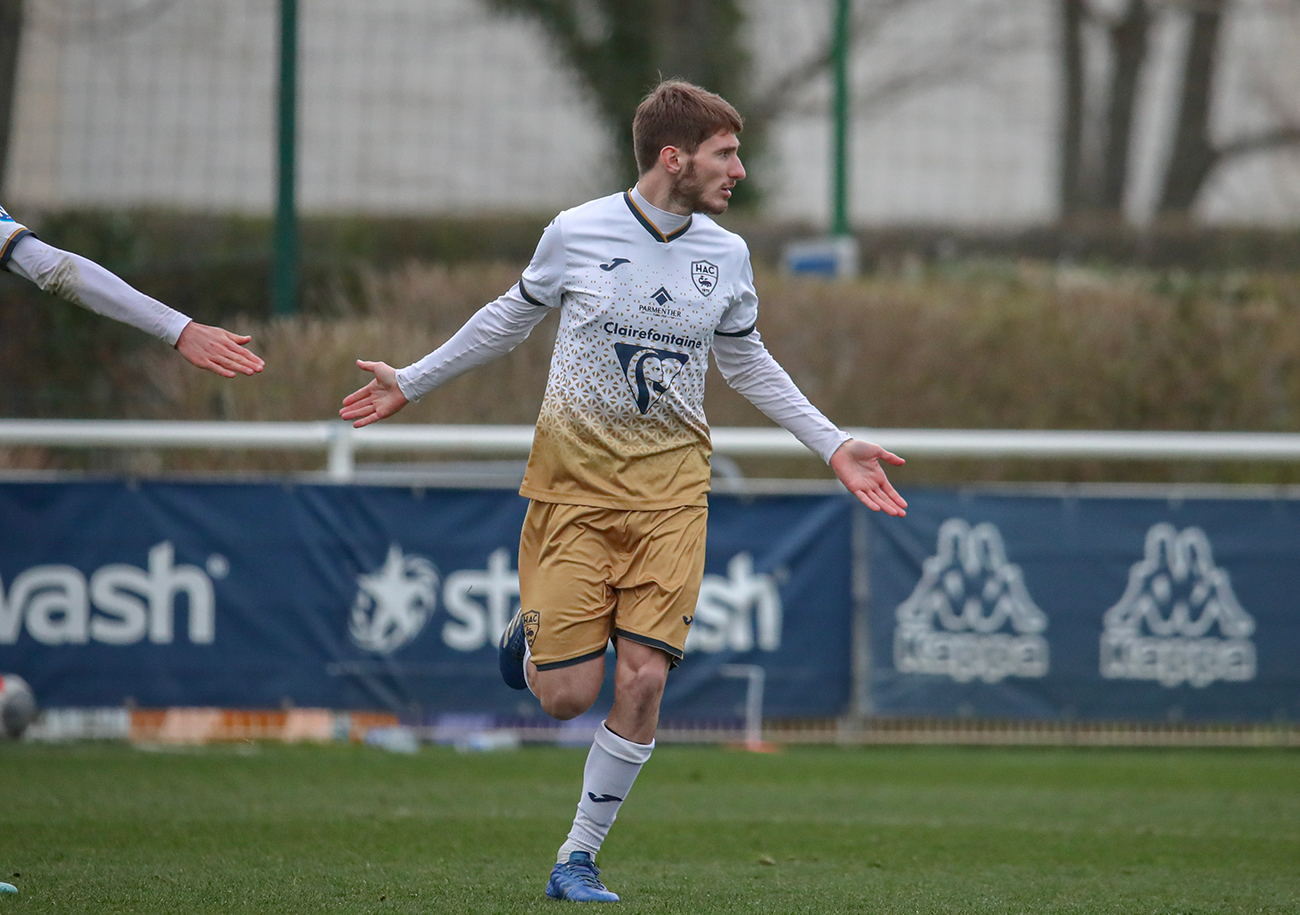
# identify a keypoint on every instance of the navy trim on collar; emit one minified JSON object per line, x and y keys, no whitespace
{"x":650,"y":226}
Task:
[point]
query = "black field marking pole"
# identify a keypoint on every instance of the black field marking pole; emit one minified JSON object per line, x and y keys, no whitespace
{"x":284,"y":280}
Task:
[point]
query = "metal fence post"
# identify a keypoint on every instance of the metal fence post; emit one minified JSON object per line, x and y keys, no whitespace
{"x":284,"y":291}
{"x":861,"y":705}
{"x":342,"y":461}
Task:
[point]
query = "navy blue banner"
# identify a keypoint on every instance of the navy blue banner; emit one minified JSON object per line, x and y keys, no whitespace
{"x":264,"y":595}
{"x":1095,"y":608}
{"x":980,"y":605}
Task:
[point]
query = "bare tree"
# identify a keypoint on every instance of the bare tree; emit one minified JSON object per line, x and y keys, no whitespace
{"x":1096,"y":152}
{"x":621,"y":48}
{"x":11,"y":31}
{"x":977,"y":35}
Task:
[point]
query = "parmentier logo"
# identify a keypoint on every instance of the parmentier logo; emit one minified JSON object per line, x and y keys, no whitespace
{"x":739,"y":611}
{"x":971,"y":616}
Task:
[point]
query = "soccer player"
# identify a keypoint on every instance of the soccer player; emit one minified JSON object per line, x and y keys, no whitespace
{"x":647,"y":286}
{"x":84,"y":282}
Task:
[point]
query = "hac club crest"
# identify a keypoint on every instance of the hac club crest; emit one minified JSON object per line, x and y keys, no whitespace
{"x":393,"y":604}
{"x":705,"y":276}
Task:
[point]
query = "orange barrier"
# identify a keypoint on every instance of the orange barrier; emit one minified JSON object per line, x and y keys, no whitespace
{"x":215,"y":725}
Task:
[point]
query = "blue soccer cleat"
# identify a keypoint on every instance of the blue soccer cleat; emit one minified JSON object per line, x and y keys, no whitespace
{"x":510,"y":652}
{"x":578,"y":880}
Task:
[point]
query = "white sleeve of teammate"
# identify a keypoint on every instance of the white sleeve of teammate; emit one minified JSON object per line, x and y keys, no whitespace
{"x":84,"y":282}
{"x":494,"y":330}
{"x":749,"y":368}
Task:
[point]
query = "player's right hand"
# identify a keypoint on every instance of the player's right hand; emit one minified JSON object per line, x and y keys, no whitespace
{"x":380,"y":399}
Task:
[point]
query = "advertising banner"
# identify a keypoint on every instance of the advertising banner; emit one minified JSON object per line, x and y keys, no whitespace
{"x":272,"y":595}
{"x":1091,"y":608}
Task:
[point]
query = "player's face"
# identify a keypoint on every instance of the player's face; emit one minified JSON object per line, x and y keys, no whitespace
{"x":706,"y":181}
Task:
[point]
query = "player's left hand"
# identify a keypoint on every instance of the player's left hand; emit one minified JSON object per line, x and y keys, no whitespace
{"x":379,"y":399}
{"x":857,"y":464}
{"x":218,"y":350}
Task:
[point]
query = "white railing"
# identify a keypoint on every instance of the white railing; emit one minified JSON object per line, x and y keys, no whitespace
{"x":341,"y":443}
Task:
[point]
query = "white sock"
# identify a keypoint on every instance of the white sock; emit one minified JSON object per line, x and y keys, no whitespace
{"x":528,"y":655}
{"x":612,"y":766}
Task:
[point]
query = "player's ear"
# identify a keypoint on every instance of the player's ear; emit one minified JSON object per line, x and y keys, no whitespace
{"x":671,"y":158}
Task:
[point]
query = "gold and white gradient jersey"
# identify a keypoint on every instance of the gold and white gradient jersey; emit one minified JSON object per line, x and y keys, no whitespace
{"x":622,"y":421}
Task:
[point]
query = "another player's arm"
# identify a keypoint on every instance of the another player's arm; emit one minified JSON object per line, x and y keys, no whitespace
{"x":748,"y":367}
{"x":494,"y":330}
{"x":83,"y":282}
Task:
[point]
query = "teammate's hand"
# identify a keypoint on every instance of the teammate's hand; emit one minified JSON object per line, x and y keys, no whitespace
{"x":378,"y":400}
{"x":218,"y":350}
{"x":857,"y":464}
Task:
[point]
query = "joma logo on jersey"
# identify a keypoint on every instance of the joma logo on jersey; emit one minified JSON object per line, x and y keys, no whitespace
{"x":650,"y":372}
{"x":705,"y":275}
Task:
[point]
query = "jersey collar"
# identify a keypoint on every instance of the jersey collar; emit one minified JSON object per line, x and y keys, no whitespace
{"x":650,"y":226}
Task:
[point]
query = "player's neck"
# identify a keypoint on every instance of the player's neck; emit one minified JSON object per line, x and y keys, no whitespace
{"x":656,"y":187}
{"x":666,"y":221}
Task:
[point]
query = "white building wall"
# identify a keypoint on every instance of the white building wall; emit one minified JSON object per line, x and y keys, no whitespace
{"x":412,"y":106}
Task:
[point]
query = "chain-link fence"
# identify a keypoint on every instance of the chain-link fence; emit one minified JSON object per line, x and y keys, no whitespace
{"x":960,"y":116}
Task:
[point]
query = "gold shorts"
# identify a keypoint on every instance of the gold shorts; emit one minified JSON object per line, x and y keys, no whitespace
{"x":589,"y":574}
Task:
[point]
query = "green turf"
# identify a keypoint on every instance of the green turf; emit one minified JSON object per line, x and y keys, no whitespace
{"x":272,"y":829}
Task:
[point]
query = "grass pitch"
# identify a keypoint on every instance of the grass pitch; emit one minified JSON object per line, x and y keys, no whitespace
{"x":273,"y":829}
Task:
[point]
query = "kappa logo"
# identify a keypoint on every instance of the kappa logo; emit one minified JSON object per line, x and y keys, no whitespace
{"x":956,"y":621}
{"x":613,"y":263}
{"x":705,"y":276}
{"x":393,"y":604}
{"x":650,"y":372}
{"x":1162,"y":628}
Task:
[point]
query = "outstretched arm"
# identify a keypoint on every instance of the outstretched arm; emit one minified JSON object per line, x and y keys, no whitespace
{"x":379,"y":399}
{"x":84,"y":282}
{"x":857,"y":464}
{"x":751,"y":370}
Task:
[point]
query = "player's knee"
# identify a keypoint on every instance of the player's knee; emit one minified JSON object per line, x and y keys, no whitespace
{"x":565,"y":700}
{"x":646,"y":683}
{"x":566,"y":706}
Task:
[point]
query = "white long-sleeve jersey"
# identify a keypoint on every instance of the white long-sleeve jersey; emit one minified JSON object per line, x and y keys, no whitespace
{"x":622,"y":421}
{"x":83,"y":282}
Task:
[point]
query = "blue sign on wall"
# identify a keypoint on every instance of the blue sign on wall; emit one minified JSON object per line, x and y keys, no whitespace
{"x":257,"y":595}
{"x":1110,"y":608}
{"x":986,"y":605}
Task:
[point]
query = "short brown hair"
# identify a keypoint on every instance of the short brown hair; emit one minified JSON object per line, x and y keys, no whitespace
{"x":677,"y":113}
